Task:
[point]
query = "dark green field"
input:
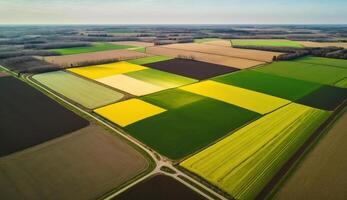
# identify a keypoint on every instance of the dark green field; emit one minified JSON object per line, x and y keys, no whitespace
{"x":191,"y":122}
{"x":326,"y":98}
{"x":287,"y":88}
{"x":304,"y":71}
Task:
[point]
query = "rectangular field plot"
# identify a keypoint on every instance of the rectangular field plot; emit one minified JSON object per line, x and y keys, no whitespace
{"x":85,"y":164}
{"x":244,"y":162}
{"x":86,"y":93}
{"x":147,"y":60}
{"x":191,"y":122}
{"x":192,"y":69}
{"x":162,"y":79}
{"x":28,"y":117}
{"x":265,"y":56}
{"x":325,"y":97}
{"x":159,"y":187}
{"x":279,"y":86}
{"x":304,"y":71}
{"x":272,"y":43}
{"x":128,"y":112}
{"x":129,"y":85}
{"x":68,"y":61}
{"x":100,"y":71}
{"x":94,"y":48}
{"x":248,"y":99}
{"x":323,"y":61}
{"x":203,"y":57}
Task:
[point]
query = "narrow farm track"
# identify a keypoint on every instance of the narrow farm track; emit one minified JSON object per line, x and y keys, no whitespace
{"x":159,"y":162}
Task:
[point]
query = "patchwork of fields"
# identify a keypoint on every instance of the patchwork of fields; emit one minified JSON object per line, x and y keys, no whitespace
{"x":224,"y":114}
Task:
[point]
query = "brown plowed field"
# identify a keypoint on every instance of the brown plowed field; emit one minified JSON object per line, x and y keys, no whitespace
{"x":210,"y":58}
{"x":223,"y":43}
{"x":134,"y":43}
{"x":322,"y":173}
{"x":66,"y":61}
{"x":324,"y":44}
{"x":265,"y":56}
{"x":82,"y":165}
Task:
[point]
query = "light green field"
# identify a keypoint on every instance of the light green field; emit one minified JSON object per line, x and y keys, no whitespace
{"x":244,"y":162}
{"x":304,"y":71}
{"x":160,"y":78}
{"x":148,"y":60}
{"x":342,"y":83}
{"x":270,"y":43}
{"x":94,"y":48}
{"x":324,"y":61}
{"x":86,"y":93}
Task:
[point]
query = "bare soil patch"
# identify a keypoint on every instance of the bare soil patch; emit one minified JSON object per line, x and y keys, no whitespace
{"x":191,"y":68}
{"x":85,"y":164}
{"x":263,"y":56}
{"x":159,"y":187}
{"x":28,"y":117}
{"x":93,"y":58}
{"x":204,"y":57}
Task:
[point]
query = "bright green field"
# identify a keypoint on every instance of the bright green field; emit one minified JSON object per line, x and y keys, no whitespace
{"x":342,"y":83}
{"x":190,"y":123}
{"x":94,"y":48}
{"x":324,"y":61}
{"x":287,"y":88}
{"x":244,"y":162}
{"x":86,"y":93}
{"x":305,"y":71}
{"x":271,"y":43}
{"x":160,"y":78}
{"x":147,"y":60}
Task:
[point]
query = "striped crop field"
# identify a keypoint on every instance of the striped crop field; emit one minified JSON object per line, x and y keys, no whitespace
{"x":271,"y":43}
{"x":248,"y":99}
{"x":84,"y":92}
{"x":244,"y":162}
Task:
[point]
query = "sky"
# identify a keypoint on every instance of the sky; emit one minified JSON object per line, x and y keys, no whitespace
{"x":173,"y":11}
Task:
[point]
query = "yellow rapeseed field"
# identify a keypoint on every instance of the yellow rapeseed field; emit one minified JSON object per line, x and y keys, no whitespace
{"x":245,"y":161}
{"x":128,"y":112}
{"x":251,"y":100}
{"x":100,"y":71}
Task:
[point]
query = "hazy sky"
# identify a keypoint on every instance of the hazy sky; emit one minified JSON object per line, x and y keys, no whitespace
{"x":172,"y":11}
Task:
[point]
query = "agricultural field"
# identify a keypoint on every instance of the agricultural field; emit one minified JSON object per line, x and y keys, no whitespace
{"x":244,"y":162}
{"x":262,"y":56}
{"x":283,"y":87}
{"x":148,"y":60}
{"x":191,"y":68}
{"x":134,"y":43}
{"x":136,"y":110}
{"x":323,"y":44}
{"x":159,"y":187}
{"x":204,"y":57}
{"x":223,"y":43}
{"x":191,"y":121}
{"x":131,"y":78}
{"x":271,"y":43}
{"x":324,"y":61}
{"x":26,"y":117}
{"x":204,"y":40}
{"x":84,"y":164}
{"x":84,"y":92}
{"x":304,"y":71}
{"x":325,"y":97}
{"x":322,"y":172}
{"x":248,"y":99}
{"x":93,"y":48}
{"x":94,"y":57}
